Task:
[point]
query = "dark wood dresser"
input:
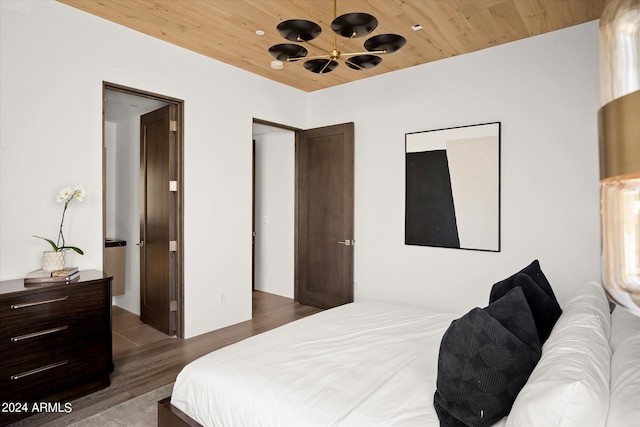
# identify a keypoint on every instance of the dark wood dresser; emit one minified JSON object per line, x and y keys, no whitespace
{"x":55,"y":343}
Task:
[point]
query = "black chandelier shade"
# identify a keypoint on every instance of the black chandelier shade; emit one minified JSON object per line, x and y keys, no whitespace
{"x":353,"y":25}
{"x":299,"y":30}
{"x":387,"y":42}
{"x":363,"y":62}
{"x":284,"y":51}
{"x":320,"y":66}
{"x":349,"y":25}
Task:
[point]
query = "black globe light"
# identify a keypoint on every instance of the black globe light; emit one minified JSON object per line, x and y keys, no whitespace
{"x":349,"y":25}
{"x":299,"y":30}
{"x":320,"y":66}
{"x":387,"y":42}
{"x":363,"y":62}
{"x":353,"y":25}
{"x":284,"y":51}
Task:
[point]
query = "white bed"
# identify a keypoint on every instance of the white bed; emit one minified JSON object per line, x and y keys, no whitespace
{"x":360,"y":364}
{"x":375,"y":364}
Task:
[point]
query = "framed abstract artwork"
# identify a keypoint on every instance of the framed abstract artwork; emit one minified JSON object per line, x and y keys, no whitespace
{"x":453,"y":187}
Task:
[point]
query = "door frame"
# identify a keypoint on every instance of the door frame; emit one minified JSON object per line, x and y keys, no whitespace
{"x":297,"y":171}
{"x":177,"y":275}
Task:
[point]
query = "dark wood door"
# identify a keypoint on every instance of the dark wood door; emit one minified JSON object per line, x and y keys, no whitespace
{"x":324,"y":220}
{"x":157,"y":284}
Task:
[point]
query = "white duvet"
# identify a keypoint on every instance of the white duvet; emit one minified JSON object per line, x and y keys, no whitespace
{"x":361,"y":364}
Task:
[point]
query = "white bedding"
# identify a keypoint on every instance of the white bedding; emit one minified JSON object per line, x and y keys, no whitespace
{"x":361,"y":364}
{"x":375,"y":364}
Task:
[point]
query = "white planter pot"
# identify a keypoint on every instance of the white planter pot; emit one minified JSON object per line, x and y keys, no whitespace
{"x":52,"y":260}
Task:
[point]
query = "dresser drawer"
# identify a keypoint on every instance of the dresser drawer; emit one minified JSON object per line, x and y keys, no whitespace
{"x":62,"y":334}
{"x":40,"y":377}
{"x":34,"y":312}
{"x":55,"y":339}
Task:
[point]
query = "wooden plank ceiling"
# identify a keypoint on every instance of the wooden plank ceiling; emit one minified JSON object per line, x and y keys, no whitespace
{"x":226,"y":29}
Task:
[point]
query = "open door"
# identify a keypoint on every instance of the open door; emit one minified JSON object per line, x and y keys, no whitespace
{"x":158,"y":229}
{"x":324,"y":216}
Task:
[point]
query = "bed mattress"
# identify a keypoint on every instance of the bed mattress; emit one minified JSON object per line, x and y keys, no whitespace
{"x":364,"y":363}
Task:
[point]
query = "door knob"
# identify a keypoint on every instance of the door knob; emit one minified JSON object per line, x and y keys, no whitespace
{"x":141,"y":243}
{"x":347,"y":242}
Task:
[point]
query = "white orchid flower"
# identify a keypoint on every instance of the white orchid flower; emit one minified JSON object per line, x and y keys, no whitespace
{"x":64,"y":194}
{"x":79,"y":192}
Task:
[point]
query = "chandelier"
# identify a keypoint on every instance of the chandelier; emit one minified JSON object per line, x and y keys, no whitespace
{"x":349,"y":25}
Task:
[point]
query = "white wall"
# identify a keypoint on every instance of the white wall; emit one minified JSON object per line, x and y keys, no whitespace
{"x":122,"y":212}
{"x":275,"y":225}
{"x":544,"y":90}
{"x":111,"y":152}
{"x":53,"y":62}
{"x":127,"y":211}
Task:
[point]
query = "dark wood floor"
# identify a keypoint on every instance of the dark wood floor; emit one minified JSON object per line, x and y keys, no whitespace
{"x":145,"y":368}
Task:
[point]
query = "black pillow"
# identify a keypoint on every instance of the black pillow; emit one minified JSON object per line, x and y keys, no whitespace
{"x":483,"y":365}
{"x":534,"y":271}
{"x":543,"y":303}
{"x":514,"y":313}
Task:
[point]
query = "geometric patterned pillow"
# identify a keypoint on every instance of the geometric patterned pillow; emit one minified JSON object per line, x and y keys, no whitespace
{"x":482,"y":364}
{"x":544,"y":308}
{"x":534,"y":271}
{"x":537,"y":289}
{"x":514,"y":313}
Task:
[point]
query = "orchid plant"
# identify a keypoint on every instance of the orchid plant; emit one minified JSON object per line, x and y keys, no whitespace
{"x":66,"y":195}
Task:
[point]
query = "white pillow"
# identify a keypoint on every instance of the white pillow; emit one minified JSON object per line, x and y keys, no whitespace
{"x":591,"y":299}
{"x":623,"y":325}
{"x":624,"y":407}
{"x":569,"y":386}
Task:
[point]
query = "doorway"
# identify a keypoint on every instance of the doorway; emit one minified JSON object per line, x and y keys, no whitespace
{"x":124,"y":206}
{"x":274,"y":209}
{"x":315,"y":199}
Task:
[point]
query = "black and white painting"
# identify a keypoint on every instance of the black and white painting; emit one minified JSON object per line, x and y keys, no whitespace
{"x":453,"y":187}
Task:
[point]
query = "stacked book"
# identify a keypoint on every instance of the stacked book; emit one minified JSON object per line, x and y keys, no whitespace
{"x":66,"y":275}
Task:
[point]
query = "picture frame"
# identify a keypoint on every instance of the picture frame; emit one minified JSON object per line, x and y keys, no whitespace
{"x":453,"y":187}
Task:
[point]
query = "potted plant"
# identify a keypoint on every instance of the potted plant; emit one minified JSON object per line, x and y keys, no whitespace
{"x":54,"y":259}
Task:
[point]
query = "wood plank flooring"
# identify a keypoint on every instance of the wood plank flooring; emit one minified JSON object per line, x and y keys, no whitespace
{"x":145,"y":368}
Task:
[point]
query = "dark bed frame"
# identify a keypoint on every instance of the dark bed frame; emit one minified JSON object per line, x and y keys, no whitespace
{"x":170,"y":416}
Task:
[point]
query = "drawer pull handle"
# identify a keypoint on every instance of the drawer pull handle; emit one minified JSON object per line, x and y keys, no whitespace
{"x":31,"y":304}
{"x":38,"y":370}
{"x":38,"y":334}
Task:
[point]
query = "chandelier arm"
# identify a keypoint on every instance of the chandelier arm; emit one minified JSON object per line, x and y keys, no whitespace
{"x":325,"y":67}
{"x":360,"y":67}
{"x":335,"y":14}
{"x":311,"y":44}
{"x":298,"y":58}
{"x":372,"y":52}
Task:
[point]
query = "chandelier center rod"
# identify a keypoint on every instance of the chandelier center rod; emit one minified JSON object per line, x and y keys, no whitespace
{"x":335,"y":50}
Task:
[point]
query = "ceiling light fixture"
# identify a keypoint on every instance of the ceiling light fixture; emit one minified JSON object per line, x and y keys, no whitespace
{"x":349,"y":25}
{"x":619,"y":134}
